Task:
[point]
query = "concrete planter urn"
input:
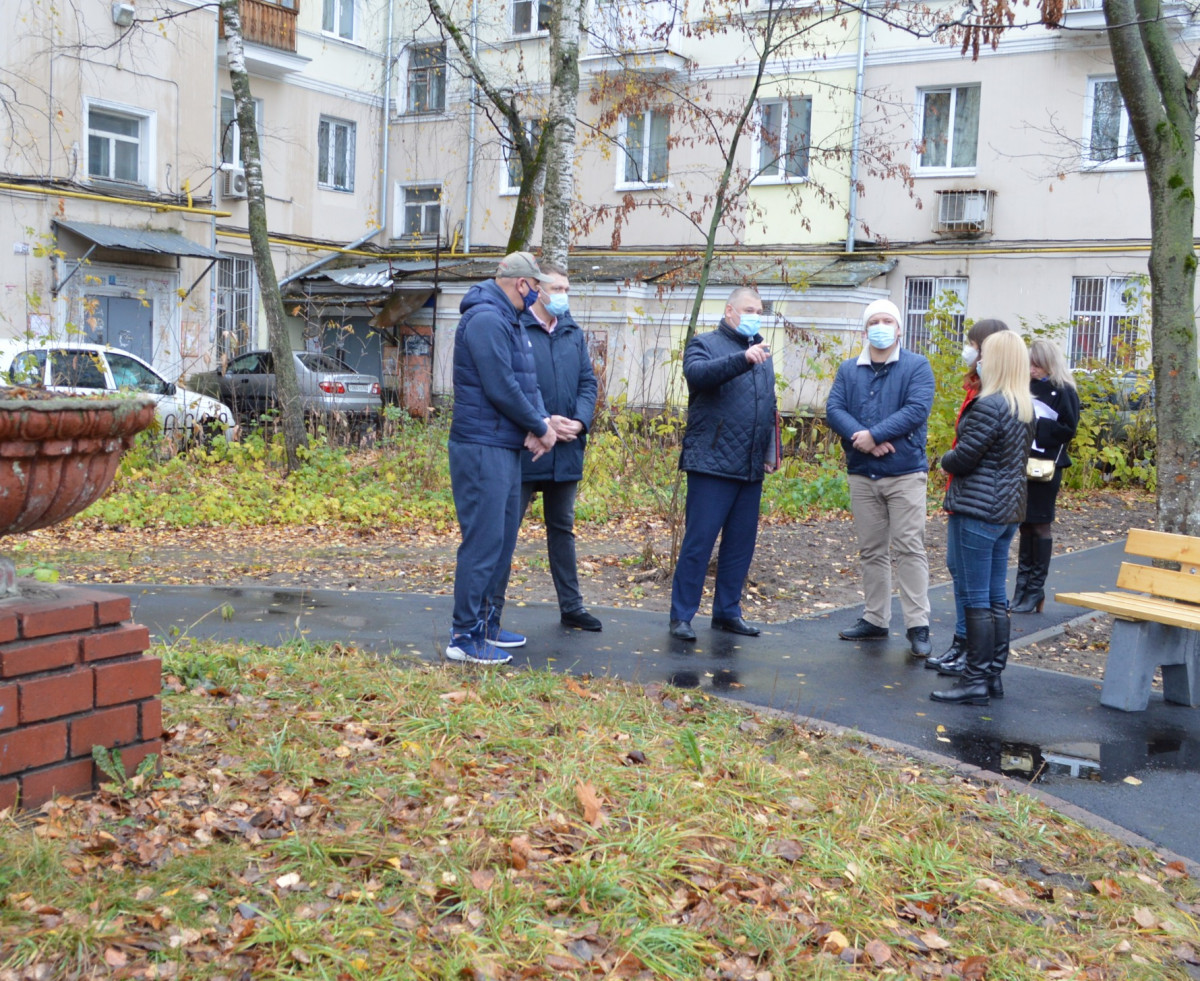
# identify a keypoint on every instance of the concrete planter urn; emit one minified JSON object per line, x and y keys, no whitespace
{"x":57,"y":456}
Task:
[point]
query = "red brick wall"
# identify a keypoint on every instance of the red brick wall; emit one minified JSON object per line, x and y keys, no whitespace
{"x":73,"y":675}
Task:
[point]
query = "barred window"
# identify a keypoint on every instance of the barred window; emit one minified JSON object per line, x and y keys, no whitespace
{"x":1105,"y":314}
{"x":920,"y":295}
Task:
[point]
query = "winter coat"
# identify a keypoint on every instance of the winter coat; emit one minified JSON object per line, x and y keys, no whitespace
{"x":568,"y":388}
{"x":893,"y":403}
{"x":988,"y":463}
{"x":1053,"y":435}
{"x":496,"y":400}
{"x":731,"y":407}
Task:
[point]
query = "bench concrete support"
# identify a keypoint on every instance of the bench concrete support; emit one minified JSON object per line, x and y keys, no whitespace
{"x":1136,"y":650}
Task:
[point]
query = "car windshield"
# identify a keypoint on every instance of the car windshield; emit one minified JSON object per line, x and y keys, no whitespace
{"x":325,"y":362}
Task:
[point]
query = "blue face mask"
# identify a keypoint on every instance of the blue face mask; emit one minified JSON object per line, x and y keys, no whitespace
{"x":531,"y":298}
{"x":749,"y":324}
{"x":557,"y":304}
{"x":881,"y":336}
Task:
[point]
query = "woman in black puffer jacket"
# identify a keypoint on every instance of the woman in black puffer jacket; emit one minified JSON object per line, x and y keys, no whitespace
{"x":986,"y":501}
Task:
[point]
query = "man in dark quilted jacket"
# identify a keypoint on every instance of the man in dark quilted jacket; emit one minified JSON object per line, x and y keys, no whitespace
{"x":728,"y":445}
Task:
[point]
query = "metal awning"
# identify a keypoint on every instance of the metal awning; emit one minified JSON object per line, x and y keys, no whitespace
{"x":138,"y":239}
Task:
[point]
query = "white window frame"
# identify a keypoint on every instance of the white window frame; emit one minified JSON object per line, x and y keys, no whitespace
{"x":1114,"y":304}
{"x":431,"y":73}
{"x":237,"y":308}
{"x":521,"y":10}
{"x":332,"y":125}
{"x":332,"y":15}
{"x":146,"y":120}
{"x":926,"y":289}
{"x":235,"y":133}
{"x":511,"y":164}
{"x":623,"y":183}
{"x":1126,"y":141}
{"x":938,"y":170}
{"x":402,"y":206}
{"x":780,"y":174}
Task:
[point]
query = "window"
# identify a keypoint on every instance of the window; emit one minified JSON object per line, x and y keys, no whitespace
{"x":335,"y":154}
{"x":337,"y":17}
{"x":513,"y":171}
{"x":1110,"y":139}
{"x":77,"y":369}
{"x":422,"y":211}
{"x":231,"y":135}
{"x":924,"y":295}
{"x":1105,"y":311}
{"x":522,"y":17}
{"x":785,"y":129}
{"x":118,"y":145}
{"x":644,"y":142}
{"x":949,"y":128}
{"x":130,"y":374}
{"x":235,"y":304}
{"x":427,"y":78}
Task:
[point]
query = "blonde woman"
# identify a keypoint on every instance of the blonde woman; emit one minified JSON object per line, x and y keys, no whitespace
{"x":986,"y":501}
{"x":1051,"y":384}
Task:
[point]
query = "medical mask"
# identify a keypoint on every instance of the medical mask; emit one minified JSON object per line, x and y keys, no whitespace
{"x":749,"y":324}
{"x":881,"y":336}
{"x":531,"y":298}
{"x":556,"y":304}
{"x":979,"y":369}
{"x":969,"y":355}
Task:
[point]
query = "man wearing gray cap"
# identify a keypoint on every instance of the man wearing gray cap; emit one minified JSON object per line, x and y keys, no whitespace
{"x":497,"y":412}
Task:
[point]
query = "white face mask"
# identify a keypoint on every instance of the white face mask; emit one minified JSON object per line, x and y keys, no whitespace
{"x":969,"y":355}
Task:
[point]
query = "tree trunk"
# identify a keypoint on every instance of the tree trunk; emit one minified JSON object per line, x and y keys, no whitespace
{"x":565,"y":30}
{"x":287,"y":388}
{"x":1161,"y":100}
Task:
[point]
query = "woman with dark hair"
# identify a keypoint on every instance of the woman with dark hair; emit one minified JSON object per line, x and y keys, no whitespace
{"x":1056,"y":409}
{"x":951,"y":661}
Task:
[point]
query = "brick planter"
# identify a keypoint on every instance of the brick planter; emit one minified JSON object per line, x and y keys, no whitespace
{"x":73,"y":675}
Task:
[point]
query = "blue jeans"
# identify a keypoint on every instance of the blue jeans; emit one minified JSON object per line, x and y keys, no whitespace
{"x":982,"y":555}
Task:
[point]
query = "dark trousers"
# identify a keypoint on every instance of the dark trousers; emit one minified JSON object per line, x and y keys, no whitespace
{"x":486,"y":482}
{"x":558,"y":506}
{"x":716,"y":505}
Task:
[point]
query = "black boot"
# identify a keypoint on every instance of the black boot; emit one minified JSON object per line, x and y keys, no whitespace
{"x":955,"y":654}
{"x":1000,"y":626}
{"x":1035,"y":594}
{"x":972,"y":687}
{"x":1025,"y":553}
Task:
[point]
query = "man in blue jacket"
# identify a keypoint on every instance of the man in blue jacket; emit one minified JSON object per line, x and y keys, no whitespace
{"x":728,"y":445}
{"x":567,"y":385}
{"x":879,"y":405}
{"x":497,"y":412}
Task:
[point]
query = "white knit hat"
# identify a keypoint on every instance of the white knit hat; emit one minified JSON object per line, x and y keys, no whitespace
{"x":881,"y":306}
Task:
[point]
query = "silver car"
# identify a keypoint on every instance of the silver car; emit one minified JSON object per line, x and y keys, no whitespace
{"x":327,"y":386}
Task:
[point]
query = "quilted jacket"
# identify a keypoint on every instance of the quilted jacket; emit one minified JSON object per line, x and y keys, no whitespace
{"x":731,"y":406}
{"x":1053,"y":435}
{"x":496,"y":400}
{"x":988,"y":463}
{"x":568,"y":388}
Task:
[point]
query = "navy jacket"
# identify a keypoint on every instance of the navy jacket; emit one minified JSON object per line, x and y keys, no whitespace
{"x":893,"y":403}
{"x":568,"y":388}
{"x":1053,"y":435}
{"x":496,"y":399}
{"x":731,"y":407}
{"x":987,"y":463}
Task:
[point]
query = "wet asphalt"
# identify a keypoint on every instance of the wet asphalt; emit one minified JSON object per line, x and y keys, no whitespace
{"x":1135,"y":774}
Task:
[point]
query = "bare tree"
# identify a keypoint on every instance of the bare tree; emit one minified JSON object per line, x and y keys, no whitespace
{"x":287,"y":387}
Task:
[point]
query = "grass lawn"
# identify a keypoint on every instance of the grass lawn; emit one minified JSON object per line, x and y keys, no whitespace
{"x":324,"y":814}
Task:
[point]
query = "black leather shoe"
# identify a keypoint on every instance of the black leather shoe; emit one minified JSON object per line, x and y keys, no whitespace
{"x":864,"y":630}
{"x":581,"y":620}
{"x":963,"y":693}
{"x":682,"y":630}
{"x":735,"y":625}
{"x":995,"y":687}
{"x":918,"y":639}
{"x":955,"y":652}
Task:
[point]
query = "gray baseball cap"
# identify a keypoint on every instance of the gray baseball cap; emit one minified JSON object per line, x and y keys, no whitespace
{"x":518,"y":265}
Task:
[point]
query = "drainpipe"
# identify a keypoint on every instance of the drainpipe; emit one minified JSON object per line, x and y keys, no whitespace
{"x":856,"y":129}
{"x":385,"y":178}
{"x":466,"y":239}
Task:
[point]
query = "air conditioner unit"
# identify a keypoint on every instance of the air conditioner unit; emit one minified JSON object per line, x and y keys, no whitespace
{"x":233,"y":183}
{"x":964,"y":211}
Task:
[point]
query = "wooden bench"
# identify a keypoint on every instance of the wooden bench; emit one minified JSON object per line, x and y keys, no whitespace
{"x":1157,"y":623}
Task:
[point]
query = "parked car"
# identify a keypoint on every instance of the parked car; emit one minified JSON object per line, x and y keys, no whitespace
{"x":78,"y":368}
{"x":327,"y":386}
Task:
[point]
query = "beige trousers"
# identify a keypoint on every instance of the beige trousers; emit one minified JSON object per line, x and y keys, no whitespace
{"x":889,"y":518}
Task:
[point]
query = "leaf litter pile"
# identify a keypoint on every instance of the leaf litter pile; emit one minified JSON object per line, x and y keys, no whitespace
{"x":322,"y":813}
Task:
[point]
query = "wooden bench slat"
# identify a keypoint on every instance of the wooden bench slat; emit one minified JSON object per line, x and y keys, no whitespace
{"x":1183,"y":549}
{"x":1132,"y":606}
{"x":1160,"y":582}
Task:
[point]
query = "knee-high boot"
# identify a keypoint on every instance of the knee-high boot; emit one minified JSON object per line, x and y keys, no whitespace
{"x":1025,"y":552}
{"x":1000,"y":627}
{"x":1035,"y":594}
{"x":972,"y":687}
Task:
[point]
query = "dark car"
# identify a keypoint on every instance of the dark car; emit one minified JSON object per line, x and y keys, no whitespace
{"x":328,"y":386}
